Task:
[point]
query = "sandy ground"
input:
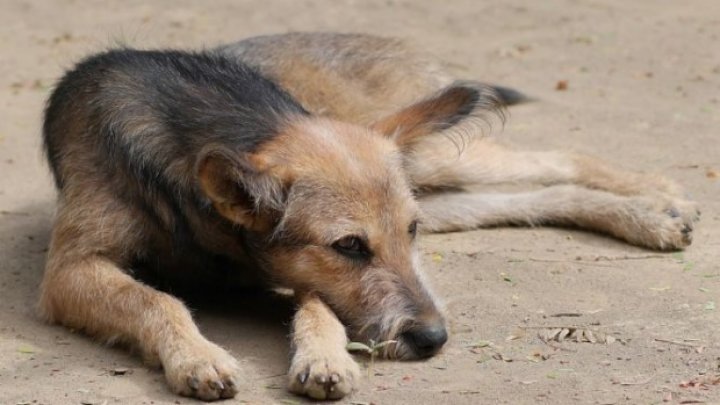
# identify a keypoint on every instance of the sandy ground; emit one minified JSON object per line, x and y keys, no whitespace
{"x":643,"y":92}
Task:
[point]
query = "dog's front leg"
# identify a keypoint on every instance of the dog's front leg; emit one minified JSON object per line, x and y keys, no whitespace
{"x":321,"y":367}
{"x":95,"y":295}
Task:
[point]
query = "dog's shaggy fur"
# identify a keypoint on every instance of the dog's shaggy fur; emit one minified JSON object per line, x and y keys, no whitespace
{"x":306,"y":161}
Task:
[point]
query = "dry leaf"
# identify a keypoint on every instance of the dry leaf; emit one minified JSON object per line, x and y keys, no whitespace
{"x":480,"y":344}
{"x":25,"y":349}
{"x":517,"y":334}
{"x":575,"y":334}
{"x":93,"y":402}
{"x":500,"y":356}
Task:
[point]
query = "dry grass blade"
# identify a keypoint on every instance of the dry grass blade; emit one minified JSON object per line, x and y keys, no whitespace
{"x":574,"y":333}
{"x":674,"y":342}
{"x":639,"y":382}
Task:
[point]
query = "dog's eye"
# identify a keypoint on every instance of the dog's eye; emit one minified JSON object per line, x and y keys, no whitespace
{"x":412,"y":229}
{"x":352,"y":246}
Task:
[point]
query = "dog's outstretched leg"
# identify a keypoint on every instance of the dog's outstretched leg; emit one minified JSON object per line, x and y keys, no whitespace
{"x":640,"y":220}
{"x":437,"y":162}
{"x":321,"y":367}
{"x":83,"y":288}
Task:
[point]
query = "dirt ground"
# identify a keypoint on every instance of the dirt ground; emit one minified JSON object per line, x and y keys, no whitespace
{"x":643,"y":91}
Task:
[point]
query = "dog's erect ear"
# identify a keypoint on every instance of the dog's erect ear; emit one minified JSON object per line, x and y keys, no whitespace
{"x":448,"y":107}
{"x":238,"y":190}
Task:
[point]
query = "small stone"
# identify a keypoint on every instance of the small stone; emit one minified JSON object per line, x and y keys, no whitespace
{"x":119,"y":371}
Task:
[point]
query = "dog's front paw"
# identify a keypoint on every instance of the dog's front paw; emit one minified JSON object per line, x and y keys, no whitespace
{"x":323,"y":376}
{"x":202,"y":370}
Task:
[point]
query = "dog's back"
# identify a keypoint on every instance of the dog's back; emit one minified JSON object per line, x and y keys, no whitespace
{"x":357,"y":78}
{"x":352,"y":77}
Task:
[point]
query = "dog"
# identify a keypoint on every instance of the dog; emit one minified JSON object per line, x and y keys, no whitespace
{"x":306,"y":161}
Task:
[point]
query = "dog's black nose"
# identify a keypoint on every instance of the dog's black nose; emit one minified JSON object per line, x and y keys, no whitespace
{"x":426,"y":341}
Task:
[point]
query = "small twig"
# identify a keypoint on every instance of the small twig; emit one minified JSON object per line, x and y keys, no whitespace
{"x":534,"y":259}
{"x":19,"y":214}
{"x":643,"y":382}
{"x":675,"y":342}
{"x":594,"y":262}
{"x":626,"y":257}
{"x":562,"y":327}
{"x":565,"y":314}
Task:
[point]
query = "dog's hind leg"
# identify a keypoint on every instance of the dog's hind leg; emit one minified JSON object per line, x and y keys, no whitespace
{"x":643,"y":221}
{"x":321,"y":367}
{"x":437,"y":162}
{"x":85,"y":288}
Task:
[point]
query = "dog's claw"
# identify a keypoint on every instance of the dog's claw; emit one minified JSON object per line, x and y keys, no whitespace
{"x":193,"y":383}
{"x":673,"y":212}
{"x":302,"y":377}
{"x":334,"y":378}
{"x":217,"y":385}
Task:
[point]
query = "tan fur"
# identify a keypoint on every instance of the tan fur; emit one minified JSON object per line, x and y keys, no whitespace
{"x":641,"y":220}
{"x":85,"y":288}
{"x":354,"y":78}
{"x":425,"y":117}
{"x":387,"y":127}
{"x":321,"y":367}
{"x":406,"y":75}
{"x":354,"y":184}
{"x":347,"y":180}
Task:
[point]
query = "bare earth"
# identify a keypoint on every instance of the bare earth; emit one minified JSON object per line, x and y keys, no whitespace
{"x":643,"y":91}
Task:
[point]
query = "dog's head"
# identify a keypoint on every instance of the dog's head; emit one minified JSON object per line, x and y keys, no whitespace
{"x":331,"y":212}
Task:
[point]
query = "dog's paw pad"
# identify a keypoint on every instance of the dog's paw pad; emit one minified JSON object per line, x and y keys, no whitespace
{"x":207,"y":373}
{"x":323,"y":377}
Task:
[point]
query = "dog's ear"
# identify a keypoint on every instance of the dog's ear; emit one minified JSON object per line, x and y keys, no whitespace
{"x":238,"y":190}
{"x":446,"y":108}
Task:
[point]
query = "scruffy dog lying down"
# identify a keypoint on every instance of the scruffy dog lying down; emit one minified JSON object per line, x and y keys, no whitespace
{"x":309,"y":161}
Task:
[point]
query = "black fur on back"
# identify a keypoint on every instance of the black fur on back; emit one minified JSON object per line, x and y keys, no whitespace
{"x":147,"y":110}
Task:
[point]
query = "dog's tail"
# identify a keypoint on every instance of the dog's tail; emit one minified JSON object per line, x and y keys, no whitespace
{"x":508,"y":96}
